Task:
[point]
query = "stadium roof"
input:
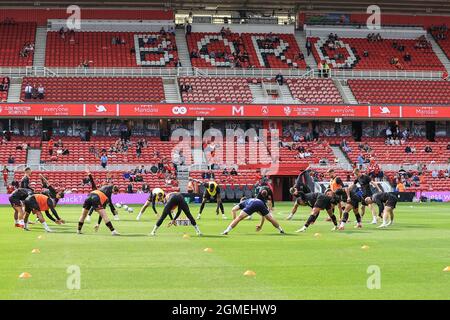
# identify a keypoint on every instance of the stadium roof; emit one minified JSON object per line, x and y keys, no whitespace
{"x":441,"y":7}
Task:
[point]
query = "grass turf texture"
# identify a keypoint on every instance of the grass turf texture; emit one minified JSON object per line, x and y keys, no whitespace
{"x":411,"y":255}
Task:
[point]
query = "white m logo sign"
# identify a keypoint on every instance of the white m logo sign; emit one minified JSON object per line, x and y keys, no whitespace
{"x":238,"y":110}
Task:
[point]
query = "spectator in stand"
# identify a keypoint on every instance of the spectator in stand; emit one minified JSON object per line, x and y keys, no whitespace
{"x":5,"y":173}
{"x":408,"y":149}
{"x":40,"y":91}
{"x":448,"y":146}
{"x":320,"y":68}
{"x":407,"y":57}
{"x":28,"y":91}
{"x":130,"y":187}
{"x":428,"y":149}
{"x":233,"y":172}
{"x":188,"y":29}
{"x":361,"y":161}
{"x":400,"y":187}
{"x":104,"y":160}
{"x":138,"y":150}
{"x":145,"y":188}
{"x":11,"y":159}
{"x":308,"y":47}
{"x":4,"y":85}
{"x":50,"y":147}
{"x":434,"y":174}
{"x":326,"y":70}
{"x":279,"y":79}
{"x":85,"y":64}
{"x":225,"y":171}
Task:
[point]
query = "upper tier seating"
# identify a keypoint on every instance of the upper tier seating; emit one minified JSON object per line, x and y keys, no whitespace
{"x":263,"y":50}
{"x":13,"y":38}
{"x":401,"y":91}
{"x":380,"y":54}
{"x":442,"y":38}
{"x":73,"y":181}
{"x":97,"y":48}
{"x":99,"y":89}
{"x":314,"y":90}
{"x":226,"y":90}
{"x":90,"y":151}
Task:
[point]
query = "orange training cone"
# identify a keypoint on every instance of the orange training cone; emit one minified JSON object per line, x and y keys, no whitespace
{"x":24,"y":275}
{"x":249,"y":273}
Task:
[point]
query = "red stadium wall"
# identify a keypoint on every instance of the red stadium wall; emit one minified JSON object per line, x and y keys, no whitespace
{"x":223,"y":111}
{"x":392,"y":19}
{"x":40,"y":16}
{"x":399,"y":19}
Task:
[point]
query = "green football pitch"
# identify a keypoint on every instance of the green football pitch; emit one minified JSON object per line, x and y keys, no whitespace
{"x":405,"y":261}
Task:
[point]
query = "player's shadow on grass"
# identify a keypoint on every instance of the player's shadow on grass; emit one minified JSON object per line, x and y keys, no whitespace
{"x":212,"y":236}
{"x":412,"y":226}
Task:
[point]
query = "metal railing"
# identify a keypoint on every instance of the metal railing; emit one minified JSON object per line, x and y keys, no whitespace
{"x":226,"y":72}
{"x":253,"y":72}
{"x":385,"y":74}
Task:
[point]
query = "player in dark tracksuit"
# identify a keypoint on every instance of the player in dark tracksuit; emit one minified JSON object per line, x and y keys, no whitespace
{"x":265,"y":193}
{"x":353,"y":199}
{"x":318,"y":202}
{"x":386,"y":203}
{"x":37,"y":203}
{"x":175,"y":200}
{"x":303,"y":183}
{"x":365,"y":182}
{"x":25,"y":181}
{"x":52,"y":193}
{"x":248,"y":207}
{"x":16,"y":199}
{"x":97,"y":200}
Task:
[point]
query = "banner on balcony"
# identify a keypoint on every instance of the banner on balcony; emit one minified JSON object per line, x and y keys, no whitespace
{"x":212,"y":110}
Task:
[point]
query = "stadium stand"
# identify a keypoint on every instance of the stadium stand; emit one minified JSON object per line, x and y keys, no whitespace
{"x":387,"y":54}
{"x":17,"y":43}
{"x":210,"y":50}
{"x":400,"y":91}
{"x":73,"y":180}
{"x":4,"y":87}
{"x":99,"y":49}
{"x":314,"y":90}
{"x":14,"y":149}
{"x":90,"y":151}
{"x":440,"y":34}
{"x":383,"y":153}
{"x":41,"y":15}
{"x":100,"y":89}
{"x":214,"y":89}
{"x":243,"y":177}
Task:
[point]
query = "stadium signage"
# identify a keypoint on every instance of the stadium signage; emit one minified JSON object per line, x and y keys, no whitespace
{"x":222,"y":110}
